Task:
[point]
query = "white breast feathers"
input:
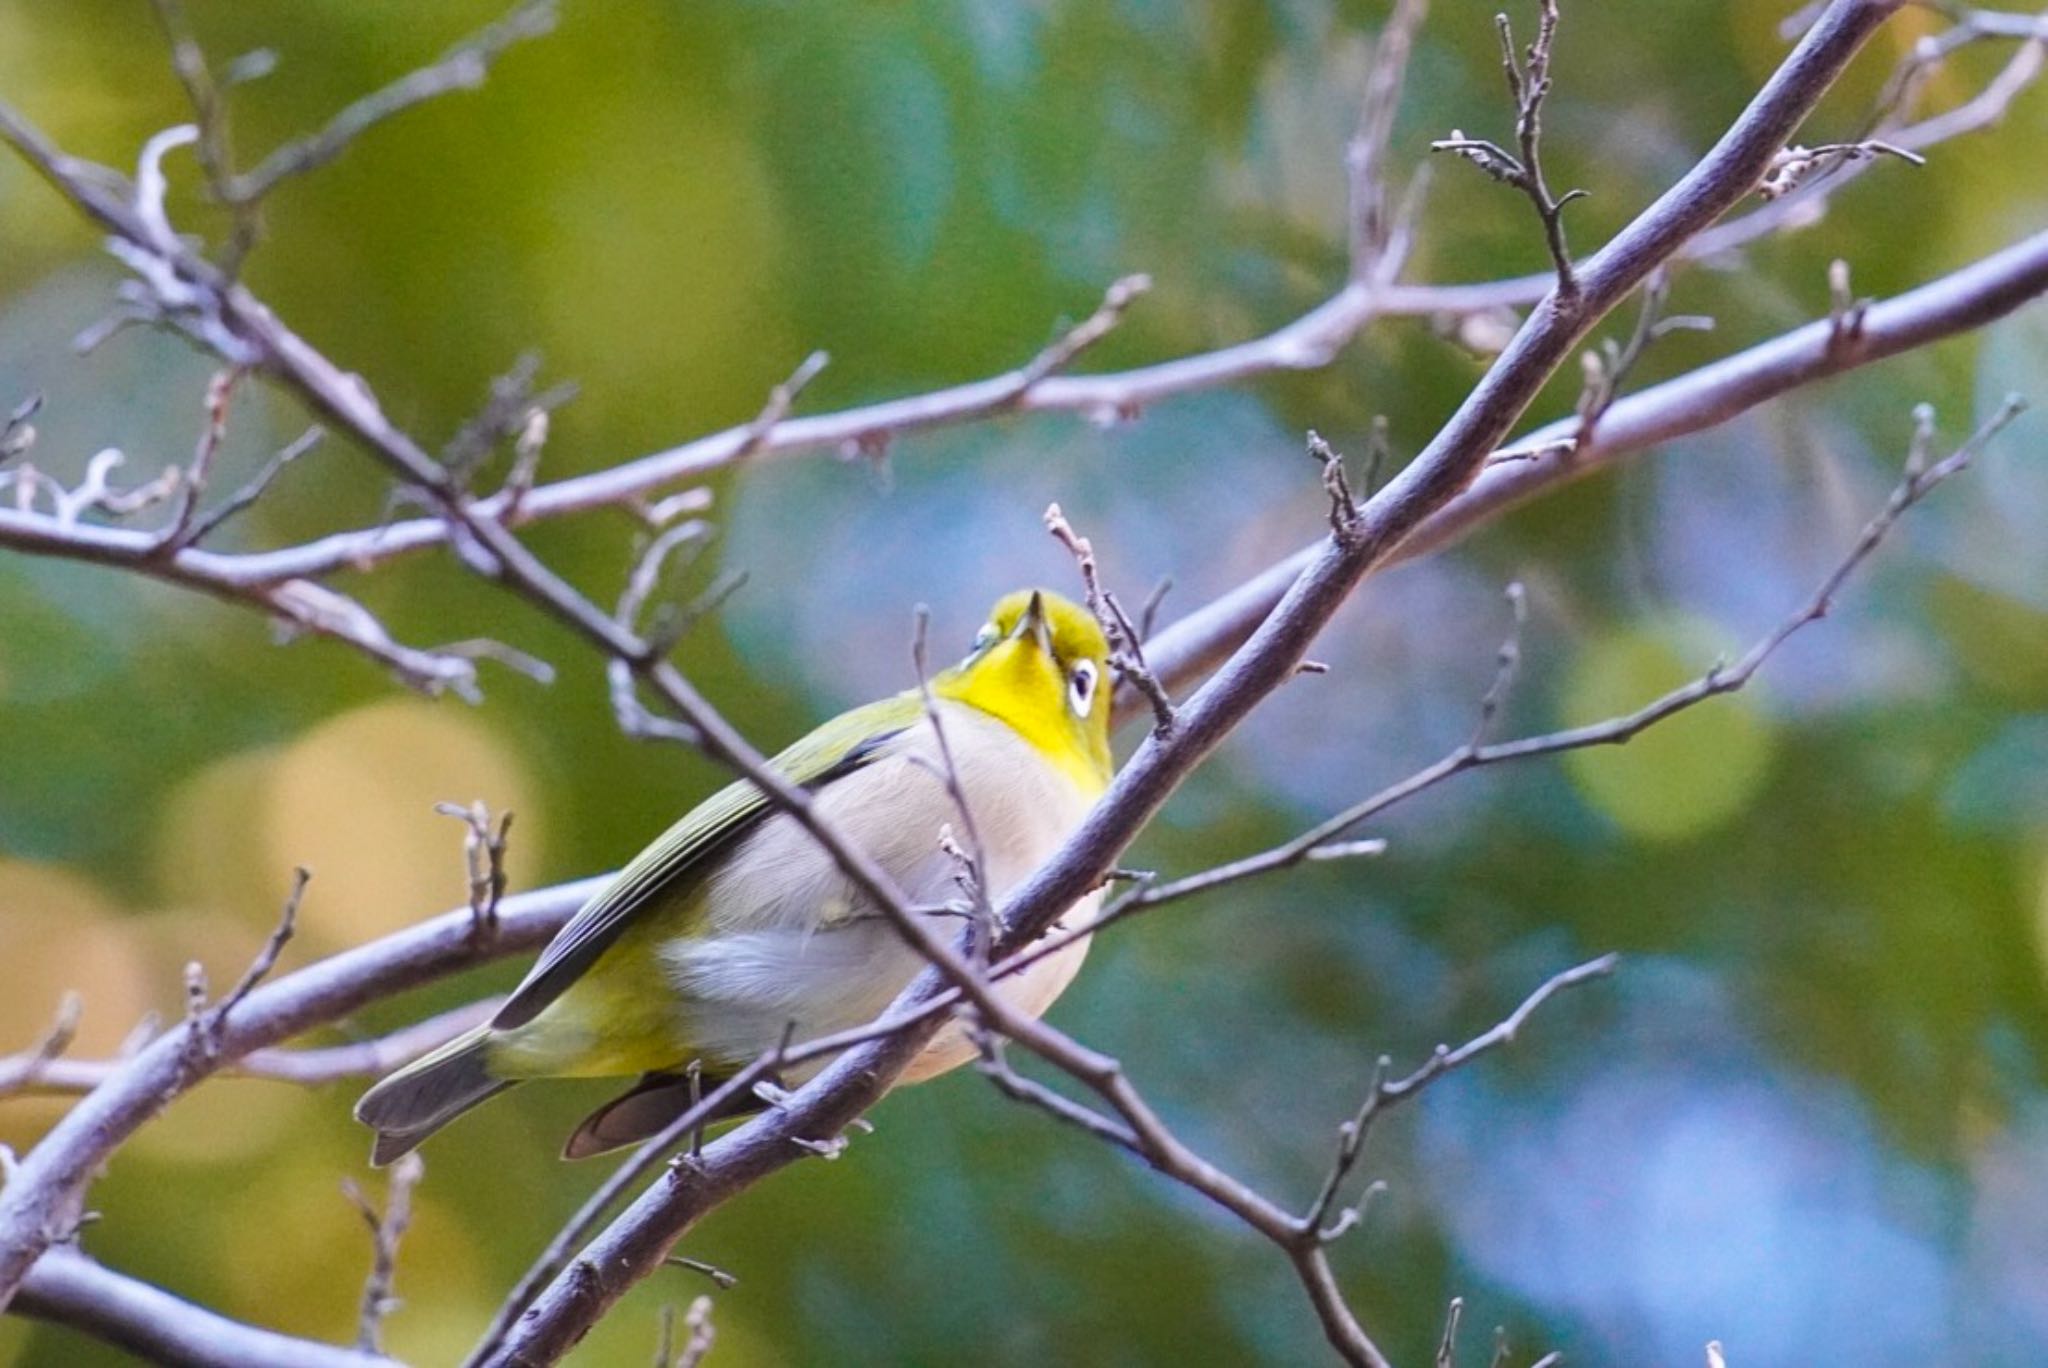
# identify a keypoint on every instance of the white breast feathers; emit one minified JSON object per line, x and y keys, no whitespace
{"x":787,"y":938}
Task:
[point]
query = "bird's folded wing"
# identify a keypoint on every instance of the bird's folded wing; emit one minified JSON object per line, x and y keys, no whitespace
{"x":833,"y":751}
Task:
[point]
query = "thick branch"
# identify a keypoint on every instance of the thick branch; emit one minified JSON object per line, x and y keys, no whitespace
{"x":70,"y":1289}
{"x":191,"y":294}
{"x":66,"y":1157}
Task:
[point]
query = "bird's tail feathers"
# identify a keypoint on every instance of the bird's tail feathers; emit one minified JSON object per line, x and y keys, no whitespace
{"x":411,"y":1104}
{"x":646,"y":1110}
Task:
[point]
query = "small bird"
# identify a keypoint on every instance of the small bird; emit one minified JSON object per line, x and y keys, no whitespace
{"x":735,"y":927}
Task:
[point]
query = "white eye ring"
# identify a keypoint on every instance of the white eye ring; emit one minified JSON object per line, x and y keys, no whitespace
{"x":983,"y":639}
{"x":1081,"y":688}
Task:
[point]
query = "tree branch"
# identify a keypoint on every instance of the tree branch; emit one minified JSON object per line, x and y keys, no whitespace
{"x":67,"y":1288}
{"x":463,"y":68}
{"x":387,"y":1229}
{"x":1126,"y":642}
{"x":27,"y":1073}
{"x":1384,"y":1093}
{"x":1528,"y":86}
{"x":67,"y":1156}
{"x":1376,"y":249}
{"x":1138,"y":1129}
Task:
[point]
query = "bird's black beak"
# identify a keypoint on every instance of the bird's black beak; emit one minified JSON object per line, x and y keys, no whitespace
{"x":1033,"y":624}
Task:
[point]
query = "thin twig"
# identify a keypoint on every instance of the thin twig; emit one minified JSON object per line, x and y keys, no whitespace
{"x":1372,"y":231}
{"x":513,"y":410}
{"x":17,"y":433}
{"x":972,"y":859}
{"x":1792,"y":167}
{"x":1384,"y":1092}
{"x":206,"y":524}
{"x":483,"y":855}
{"x":1070,"y":344}
{"x":1337,"y":485}
{"x":1148,"y":611}
{"x":1507,"y":663}
{"x":387,"y":1228}
{"x":220,"y":391}
{"x":462,"y":68}
{"x":22,"y":1072}
{"x":725,"y":1280}
{"x":994,"y":1065}
{"x":698,"y":1336}
{"x":215,"y":147}
{"x":266,"y":958}
{"x":1528,"y":87}
{"x":1610,"y":364}
{"x":1126,"y":640}
{"x":781,"y":400}
{"x":1447,"y":1346}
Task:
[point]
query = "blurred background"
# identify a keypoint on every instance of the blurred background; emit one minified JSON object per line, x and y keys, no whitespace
{"x":1810,"y":1116}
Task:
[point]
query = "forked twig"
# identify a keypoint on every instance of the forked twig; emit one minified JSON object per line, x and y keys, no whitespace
{"x":1126,"y":640}
{"x":1385,"y":1092}
{"x":462,"y":68}
{"x":483,"y":855}
{"x":387,"y":1228}
{"x":1528,"y":87}
{"x":206,"y":1023}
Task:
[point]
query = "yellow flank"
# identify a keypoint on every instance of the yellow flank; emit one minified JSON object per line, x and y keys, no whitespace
{"x":618,"y":1018}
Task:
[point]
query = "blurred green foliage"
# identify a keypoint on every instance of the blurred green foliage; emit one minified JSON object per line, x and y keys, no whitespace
{"x":1809,"y":1118}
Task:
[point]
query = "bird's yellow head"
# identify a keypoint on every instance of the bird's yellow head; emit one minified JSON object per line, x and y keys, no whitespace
{"x":1040,"y":663}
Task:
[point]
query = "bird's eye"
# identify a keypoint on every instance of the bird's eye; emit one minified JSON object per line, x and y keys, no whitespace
{"x":983,"y":639}
{"x":1081,"y":688}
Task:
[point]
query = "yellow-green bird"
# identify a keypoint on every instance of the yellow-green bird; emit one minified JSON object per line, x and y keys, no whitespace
{"x":735,"y":927}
